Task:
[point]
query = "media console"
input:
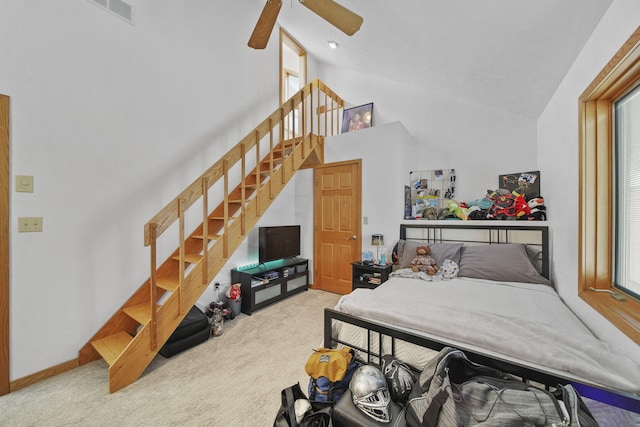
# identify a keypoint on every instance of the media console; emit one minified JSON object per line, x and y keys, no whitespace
{"x":270,"y":282}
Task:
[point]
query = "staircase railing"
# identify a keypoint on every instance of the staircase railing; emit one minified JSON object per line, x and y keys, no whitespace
{"x":314,"y":109}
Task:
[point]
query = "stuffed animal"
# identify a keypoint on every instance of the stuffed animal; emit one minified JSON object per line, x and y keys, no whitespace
{"x":454,"y":210}
{"x":479,"y":208}
{"x":537,"y":208}
{"x":457,"y":209}
{"x":507,"y":205}
{"x":522,"y":208}
{"x":423,"y":261}
{"x":430,"y":212}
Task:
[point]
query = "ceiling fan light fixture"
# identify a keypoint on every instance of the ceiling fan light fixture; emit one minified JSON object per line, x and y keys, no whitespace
{"x":333,"y":44}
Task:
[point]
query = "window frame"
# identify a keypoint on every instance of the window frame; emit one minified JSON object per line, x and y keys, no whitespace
{"x":596,"y":168}
{"x":289,"y":42}
{"x":621,"y":274}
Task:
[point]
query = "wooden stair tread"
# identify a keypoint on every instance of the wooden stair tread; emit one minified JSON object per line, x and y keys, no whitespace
{"x":190,"y":258}
{"x":168,"y":283}
{"x":289,"y":144}
{"x":141,"y":313}
{"x":111,"y":347}
{"x":210,"y":236}
{"x":264,"y":166}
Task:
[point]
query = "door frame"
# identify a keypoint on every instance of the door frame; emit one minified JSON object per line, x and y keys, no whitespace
{"x":357,"y":213}
{"x":4,"y":246}
{"x":287,"y":41}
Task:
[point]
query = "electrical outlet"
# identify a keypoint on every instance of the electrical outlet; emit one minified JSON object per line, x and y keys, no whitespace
{"x":24,"y":183}
{"x":29,"y":224}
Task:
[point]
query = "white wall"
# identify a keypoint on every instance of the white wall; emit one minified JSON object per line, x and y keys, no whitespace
{"x":479,"y":142}
{"x":383,"y":150}
{"x":421,"y":129}
{"x":558,"y":160}
{"x":113,"y":121}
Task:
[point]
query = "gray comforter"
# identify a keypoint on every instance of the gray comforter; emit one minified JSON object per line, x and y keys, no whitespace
{"x":520,"y":321}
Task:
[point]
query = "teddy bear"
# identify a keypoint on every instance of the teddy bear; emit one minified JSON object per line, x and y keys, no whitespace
{"x":423,"y":261}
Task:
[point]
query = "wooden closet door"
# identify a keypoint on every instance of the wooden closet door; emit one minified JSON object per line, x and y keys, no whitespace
{"x":337,"y":229}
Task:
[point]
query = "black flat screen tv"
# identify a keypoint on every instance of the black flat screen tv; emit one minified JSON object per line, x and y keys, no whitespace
{"x":278,"y":242}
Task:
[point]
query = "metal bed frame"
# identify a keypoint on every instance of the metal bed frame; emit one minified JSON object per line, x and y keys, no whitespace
{"x":490,"y":234}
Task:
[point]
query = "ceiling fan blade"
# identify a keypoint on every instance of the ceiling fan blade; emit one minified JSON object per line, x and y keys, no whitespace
{"x":337,"y":15}
{"x":264,"y":26}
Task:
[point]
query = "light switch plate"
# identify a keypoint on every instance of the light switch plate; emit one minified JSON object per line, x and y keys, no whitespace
{"x":24,"y":183}
{"x":29,"y":224}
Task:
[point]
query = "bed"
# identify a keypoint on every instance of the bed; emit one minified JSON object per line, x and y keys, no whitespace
{"x":501,"y":309}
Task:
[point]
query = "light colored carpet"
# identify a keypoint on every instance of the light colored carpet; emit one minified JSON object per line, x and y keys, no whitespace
{"x":231,"y":380}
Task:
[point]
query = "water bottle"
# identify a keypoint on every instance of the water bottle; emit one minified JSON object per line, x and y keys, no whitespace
{"x":383,"y":259}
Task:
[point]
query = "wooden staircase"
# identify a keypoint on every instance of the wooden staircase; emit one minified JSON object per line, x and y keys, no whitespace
{"x":292,"y":138}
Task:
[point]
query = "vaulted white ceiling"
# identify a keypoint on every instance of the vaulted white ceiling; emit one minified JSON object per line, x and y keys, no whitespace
{"x":509,"y":54}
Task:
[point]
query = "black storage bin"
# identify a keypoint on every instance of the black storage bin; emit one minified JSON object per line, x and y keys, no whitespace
{"x":193,"y":330}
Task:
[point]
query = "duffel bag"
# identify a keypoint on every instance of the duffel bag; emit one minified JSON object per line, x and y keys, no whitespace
{"x":297,"y":411}
{"x":453,"y":391}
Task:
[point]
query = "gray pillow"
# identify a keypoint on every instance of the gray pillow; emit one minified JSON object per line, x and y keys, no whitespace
{"x":439,"y":252}
{"x":506,"y":262}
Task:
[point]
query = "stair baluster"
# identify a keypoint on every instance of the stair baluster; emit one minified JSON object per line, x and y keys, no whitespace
{"x":131,"y":338}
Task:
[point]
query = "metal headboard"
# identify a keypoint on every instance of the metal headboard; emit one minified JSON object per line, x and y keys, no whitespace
{"x":534,"y":236}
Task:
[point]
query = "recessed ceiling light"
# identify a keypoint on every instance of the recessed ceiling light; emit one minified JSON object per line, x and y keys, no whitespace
{"x":333,"y":44}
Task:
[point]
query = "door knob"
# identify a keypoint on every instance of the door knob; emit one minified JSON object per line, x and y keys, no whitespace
{"x":354,"y":237}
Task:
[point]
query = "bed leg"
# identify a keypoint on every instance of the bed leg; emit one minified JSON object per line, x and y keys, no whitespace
{"x":327,"y":329}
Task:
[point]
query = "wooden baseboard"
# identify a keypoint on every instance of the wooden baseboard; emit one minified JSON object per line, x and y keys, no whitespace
{"x":43,"y":375}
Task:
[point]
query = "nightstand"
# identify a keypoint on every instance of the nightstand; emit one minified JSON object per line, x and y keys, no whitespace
{"x":368,"y":276}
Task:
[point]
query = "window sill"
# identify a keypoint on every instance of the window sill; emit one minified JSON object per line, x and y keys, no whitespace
{"x":625,"y":315}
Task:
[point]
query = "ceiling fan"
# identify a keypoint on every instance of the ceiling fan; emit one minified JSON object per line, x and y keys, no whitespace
{"x":337,"y":15}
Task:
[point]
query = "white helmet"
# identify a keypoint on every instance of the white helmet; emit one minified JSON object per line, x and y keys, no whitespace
{"x":370,"y":393}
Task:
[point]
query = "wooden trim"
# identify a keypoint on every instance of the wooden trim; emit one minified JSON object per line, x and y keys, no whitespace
{"x":4,"y":246}
{"x":596,"y":152}
{"x":289,"y":41}
{"x":44,"y":374}
{"x":624,"y":315}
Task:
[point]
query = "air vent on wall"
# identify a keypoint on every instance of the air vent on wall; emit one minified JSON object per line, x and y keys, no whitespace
{"x":117,"y":7}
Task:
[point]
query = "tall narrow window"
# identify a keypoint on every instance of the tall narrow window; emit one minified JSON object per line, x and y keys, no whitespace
{"x":293,"y":66}
{"x":292,"y":84}
{"x":609,"y":223}
{"x":293,"y":76}
{"x":627,"y":206}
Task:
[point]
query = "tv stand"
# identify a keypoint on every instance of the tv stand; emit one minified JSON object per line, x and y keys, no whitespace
{"x":270,"y":282}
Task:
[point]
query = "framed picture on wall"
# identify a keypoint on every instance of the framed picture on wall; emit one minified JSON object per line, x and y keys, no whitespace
{"x":527,"y":183}
{"x":357,"y":118}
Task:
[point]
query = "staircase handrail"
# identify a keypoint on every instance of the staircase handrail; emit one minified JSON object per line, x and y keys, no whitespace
{"x":170,"y":213}
{"x":302,"y":103}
